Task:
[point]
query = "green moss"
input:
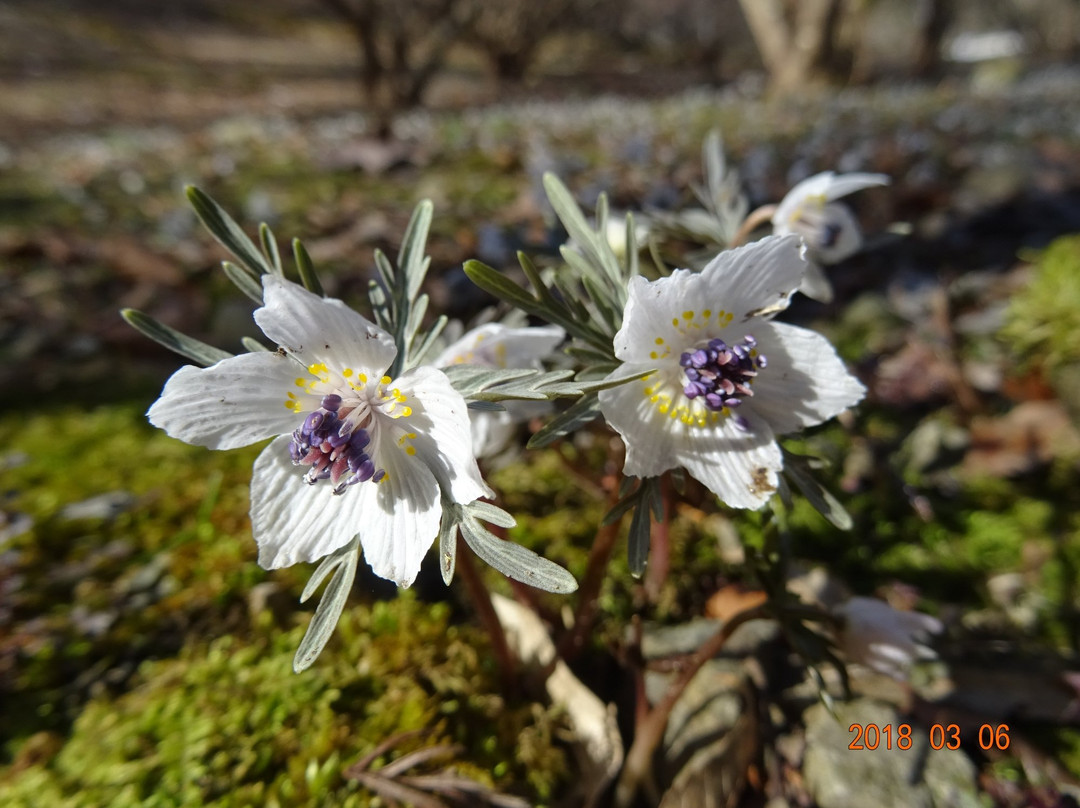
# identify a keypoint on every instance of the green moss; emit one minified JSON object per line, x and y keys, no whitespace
{"x":1044,"y":318}
{"x":90,"y":598}
{"x":230,"y":724}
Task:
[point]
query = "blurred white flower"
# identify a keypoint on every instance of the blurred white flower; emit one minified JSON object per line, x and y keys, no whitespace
{"x":615,"y":233}
{"x":727,"y":379}
{"x":882,"y":638}
{"x":496,"y":345}
{"x":829,"y":230}
{"x":378,"y":451}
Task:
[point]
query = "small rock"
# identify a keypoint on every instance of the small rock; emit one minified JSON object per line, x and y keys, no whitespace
{"x":103,"y":506}
{"x":918,"y":777}
{"x":270,"y":597}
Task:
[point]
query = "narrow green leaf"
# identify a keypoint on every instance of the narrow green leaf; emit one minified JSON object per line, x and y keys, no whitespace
{"x":490,"y":513}
{"x":797,"y":470}
{"x":612,"y":317}
{"x":621,"y":507}
{"x":412,"y":262}
{"x":326,"y":616}
{"x":595,"y":247}
{"x":582,"y":266}
{"x":493,"y":282}
{"x":656,"y":502}
{"x":633,"y":262}
{"x":591,"y":356}
{"x":485,"y":406}
{"x":416,"y":317}
{"x":328,"y":565}
{"x":305,"y":267}
{"x":448,"y":530}
{"x":270,"y":249}
{"x":227,"y":231}
{"x":195,"y":350}
{"x":419,"y":354}
{"x":543,"y":294}
{"x":380,"y":306}
{"x":253,"y":344}
{"x":637,"y":547}
{"x":515,"y":561}
{"x":657,"y":259}
{"x":244,"y":280}
{"x":385,"y":269}
{"x":602,"y":211}
{"x":614,"y":380}
{"x":678,"y":480}
{"x":583,"y":411}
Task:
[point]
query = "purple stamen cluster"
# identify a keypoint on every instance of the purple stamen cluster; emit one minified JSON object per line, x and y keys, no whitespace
{"x":332,"y":447}
{"x":721,"y":373}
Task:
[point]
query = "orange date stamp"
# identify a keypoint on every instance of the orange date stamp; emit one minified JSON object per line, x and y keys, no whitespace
{"x":942,"y":736}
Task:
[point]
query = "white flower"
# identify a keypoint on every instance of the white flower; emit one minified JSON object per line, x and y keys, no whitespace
{"x":615,"y":233}
{"x":356,"y":452}
{"x":829,"y":230}
{"x":495,"y":345}
{"x":882,"y":638}
{"x":727,"y":378}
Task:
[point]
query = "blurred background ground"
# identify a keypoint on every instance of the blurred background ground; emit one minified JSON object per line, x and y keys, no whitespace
{"x":118,"y":545}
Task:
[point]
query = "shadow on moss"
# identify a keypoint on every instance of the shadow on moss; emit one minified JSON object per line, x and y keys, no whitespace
{"x":230,"y":724}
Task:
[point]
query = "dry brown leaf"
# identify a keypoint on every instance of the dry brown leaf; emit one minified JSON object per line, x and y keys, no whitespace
{"x":1030,"y":434}
{"x":732,"y":599}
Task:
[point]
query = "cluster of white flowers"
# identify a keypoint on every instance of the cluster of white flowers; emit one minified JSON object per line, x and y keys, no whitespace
{"x":699,"y":374}
{"x":357,"y":452}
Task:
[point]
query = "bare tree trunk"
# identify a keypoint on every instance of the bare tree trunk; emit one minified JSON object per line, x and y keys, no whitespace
{"x":933,"y":19}
{"x":795,"y":48}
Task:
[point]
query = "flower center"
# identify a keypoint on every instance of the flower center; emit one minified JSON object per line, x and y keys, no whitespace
{"x":721,"y":374}
{"x":333,"y":446}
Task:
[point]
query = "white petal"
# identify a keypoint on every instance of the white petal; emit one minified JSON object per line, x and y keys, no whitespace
{"x":663,"y":317}
{"x":805,"y":381}
{"x":491,"y":432}
{"x":762,"y":274}
{"x":845,"y":241}
{"x":844,"y":184}
{"x":293,"y":521}
{"x":739,"y":467}
{"x":443,"y":442}
{"x":235,"y":402}
{"x":400,"y":514}
{"x":652,"y":318}
{"x":646,"y":431}
{"x":819,"y":189}
{"x":497,"y":345}
{"x":322,"y":329}
{"x":815,"y":285}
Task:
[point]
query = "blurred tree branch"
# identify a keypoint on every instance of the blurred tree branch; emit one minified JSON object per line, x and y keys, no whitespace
{"x":403,"y":43}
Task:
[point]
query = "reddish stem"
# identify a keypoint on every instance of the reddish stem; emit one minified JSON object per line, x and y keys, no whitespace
{"x":481,"y":598}
{"x":660,"y":545}
{"x":751,"y":223}
{"x":648,"y":734}
{"x":589,"y":594}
